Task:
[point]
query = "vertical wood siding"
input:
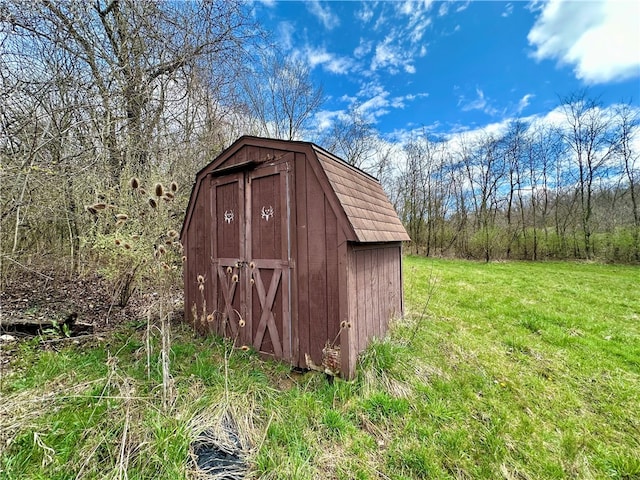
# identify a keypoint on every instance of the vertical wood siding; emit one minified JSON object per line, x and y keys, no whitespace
{"x":314,"y":247}
{"x":197,"y":252}
{"x":375,"y":293}
{"x":317,"y":264}
{"x":268,"y":252}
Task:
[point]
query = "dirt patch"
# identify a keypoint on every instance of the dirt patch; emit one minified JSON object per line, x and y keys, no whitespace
{"x":46,"y":296}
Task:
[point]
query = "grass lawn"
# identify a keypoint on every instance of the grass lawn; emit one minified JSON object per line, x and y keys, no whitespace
{"x":510,"y":370}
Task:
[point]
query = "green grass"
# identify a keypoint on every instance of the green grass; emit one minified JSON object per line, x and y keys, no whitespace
{"x":544,"y":360}
{"x":513,"y":371}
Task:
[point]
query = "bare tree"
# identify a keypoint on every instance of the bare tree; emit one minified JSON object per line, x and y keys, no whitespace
{"x":93,"y":92}
{"x":543,"y":149}
{"x":458,"y":216}
{"x":627,"y":123}
{"x":130,"y":59}
{"x":412,"y":184}
{"x":353,"y":138}
{"x":280,"y":96}
{"x":513,"y":145}
{"x":590,"y":138}
{"x":485,"y":170}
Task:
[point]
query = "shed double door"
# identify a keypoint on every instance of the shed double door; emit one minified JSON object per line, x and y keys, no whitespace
{"x":251,"y":257}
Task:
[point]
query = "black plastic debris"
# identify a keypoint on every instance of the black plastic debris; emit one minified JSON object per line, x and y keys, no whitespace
{"x":219,"y":454}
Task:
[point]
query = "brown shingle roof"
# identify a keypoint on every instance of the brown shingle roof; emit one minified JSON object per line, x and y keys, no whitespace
{"x":367,"y":207}
{"x":360,"y":196}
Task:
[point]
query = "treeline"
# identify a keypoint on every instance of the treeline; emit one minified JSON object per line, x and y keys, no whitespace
{"x":562,"y":189}
{"x":95,"y":94}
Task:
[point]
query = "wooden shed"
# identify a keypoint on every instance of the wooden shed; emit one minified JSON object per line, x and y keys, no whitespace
{"x":289,"y":249}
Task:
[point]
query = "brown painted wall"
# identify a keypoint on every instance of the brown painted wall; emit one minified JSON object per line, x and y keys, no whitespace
{"x":333,"y":279}
{"x":197,"y":251}
{"x":374,"y":288}
{"x":316,"y":268}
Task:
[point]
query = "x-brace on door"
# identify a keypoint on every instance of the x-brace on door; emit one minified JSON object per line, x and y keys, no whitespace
{"x":251,"y":257}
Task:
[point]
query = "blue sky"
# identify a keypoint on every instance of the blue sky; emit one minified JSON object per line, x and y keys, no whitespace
{"x":447,"y":67}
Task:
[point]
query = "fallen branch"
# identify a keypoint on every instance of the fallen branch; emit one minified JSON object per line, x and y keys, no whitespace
{"x":27,"y":268}
{"x":37,"y":326}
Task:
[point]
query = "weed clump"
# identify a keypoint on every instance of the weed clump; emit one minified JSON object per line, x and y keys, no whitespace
{"x":139,"y":248}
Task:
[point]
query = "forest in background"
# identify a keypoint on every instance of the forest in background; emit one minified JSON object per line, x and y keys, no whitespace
{"x":566,"y":189}
{"x":109,"y":108}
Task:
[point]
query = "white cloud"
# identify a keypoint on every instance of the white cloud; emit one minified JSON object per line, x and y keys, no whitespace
{"x":458,"y":135}
{"x":380,"y":22}
{"x":389,"y":54}
{"x":372,"y":101}
{"x":495,"y":129}
{"x":329,"y":19}
{"x":348,"y":99}
{"x":557,"y":118}
{"x":366,"y":14}
{"x":478,"y":103}
{"x":508,"y":10}
{"x":374,"y":107}
{"x":413,"y":96}
{"x":418,"y":29}
{"x":317,"y":57}
{"x":599,"y":38}
{"x":463,"y":6}
{"x":285,"y":35}
{"x":386,"y":54}
{"x":401,"y":101}
{"x":339,"y":65}
{"x":329,"y":61}
{"x":326,"y":118}
{"x":406,"y":25}
{"x":413,"y":7}
{"x":419,"y":20}
{"x":363,"y":49}
{"x":524,"y":102}
{"x":407,"y":7}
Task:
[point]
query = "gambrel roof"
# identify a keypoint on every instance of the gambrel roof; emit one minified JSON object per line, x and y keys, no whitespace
{"x":363,"y":200}
{"x":359,"y":197}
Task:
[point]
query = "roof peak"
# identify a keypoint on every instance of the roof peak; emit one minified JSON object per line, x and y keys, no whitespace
{"x":313,"y":145}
